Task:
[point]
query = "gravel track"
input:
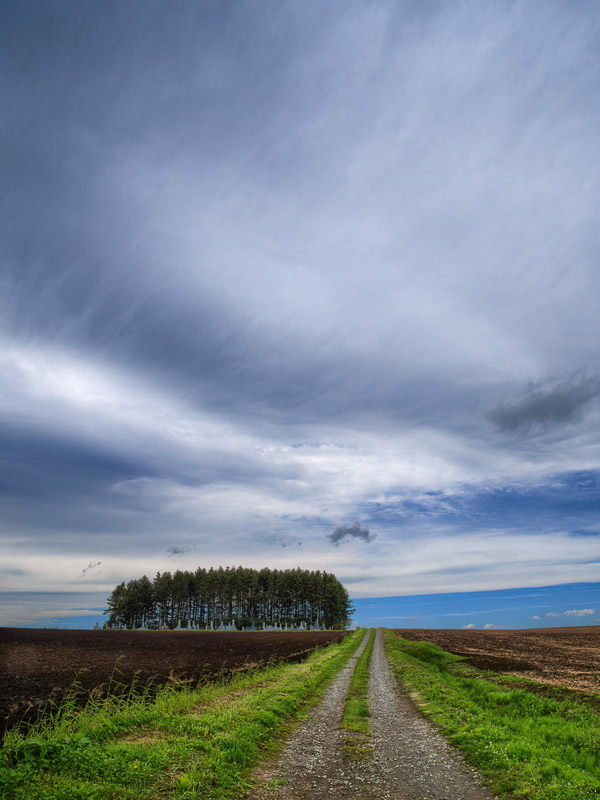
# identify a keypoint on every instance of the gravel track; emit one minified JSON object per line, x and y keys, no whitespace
{"x":410,"y":760}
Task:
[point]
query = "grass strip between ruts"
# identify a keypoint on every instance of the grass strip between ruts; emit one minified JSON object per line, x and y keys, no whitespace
{"x":525,"y":745}
{"x":356,"y":711}
{"x":180,"y":744}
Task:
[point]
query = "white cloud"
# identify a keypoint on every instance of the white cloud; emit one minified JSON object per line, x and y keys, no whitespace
{"x":468,"y":627}
{"x":575,"y":612}
{"x":581,"y":612}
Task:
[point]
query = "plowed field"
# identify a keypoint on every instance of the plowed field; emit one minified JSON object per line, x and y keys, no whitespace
{"x":40,"y":665}
{"x":555,"y":656}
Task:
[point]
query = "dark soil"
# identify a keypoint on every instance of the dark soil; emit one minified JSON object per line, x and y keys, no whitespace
{"x":555,"y":656}
{"x":37,"y":666}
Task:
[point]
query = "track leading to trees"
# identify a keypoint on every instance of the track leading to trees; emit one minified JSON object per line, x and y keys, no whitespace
{"x":407,"y":758}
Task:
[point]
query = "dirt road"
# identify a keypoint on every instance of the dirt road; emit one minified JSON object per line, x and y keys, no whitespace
{"x":409,"y":759}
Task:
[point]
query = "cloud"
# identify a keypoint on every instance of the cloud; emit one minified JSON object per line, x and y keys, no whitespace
{"x":489,"y":626}
{"x":279,"y":540}
{"x":178,"y":550}
{"x":581,"y":612}
{"x":188,"y":263}
{"x":23,"y":609}
{"x":575,"y":612}
{"x":91,"y":569}
{"x":469,"y":627}
{"x":546,"y":406}
{"x":355,"y":531}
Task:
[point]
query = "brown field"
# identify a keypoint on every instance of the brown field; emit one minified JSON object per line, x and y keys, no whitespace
{"x":556,"y":656}
{"x":41,"y":665}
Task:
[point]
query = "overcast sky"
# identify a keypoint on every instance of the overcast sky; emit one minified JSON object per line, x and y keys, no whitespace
{"x":299,"y":283}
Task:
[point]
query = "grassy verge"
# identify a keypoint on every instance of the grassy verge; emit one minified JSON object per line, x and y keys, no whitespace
{"x":526,"y":745}
{"x":179,"y":744}
{"x":356,"y":712}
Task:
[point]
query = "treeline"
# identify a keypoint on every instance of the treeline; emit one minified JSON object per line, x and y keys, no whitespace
{"x":234,"y":597}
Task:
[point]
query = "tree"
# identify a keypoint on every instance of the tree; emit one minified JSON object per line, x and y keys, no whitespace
{"x":234,"y":596}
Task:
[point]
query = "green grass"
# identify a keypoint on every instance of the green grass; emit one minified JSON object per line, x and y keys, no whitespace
{"x":356,"y":711}
{"x":527,"y":745}
{"x":180,"y":743}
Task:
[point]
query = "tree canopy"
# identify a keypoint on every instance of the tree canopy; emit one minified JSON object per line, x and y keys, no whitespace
{"x":231,"y":597}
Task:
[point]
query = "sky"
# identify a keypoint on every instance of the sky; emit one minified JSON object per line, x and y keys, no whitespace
{"x":302,"y":284}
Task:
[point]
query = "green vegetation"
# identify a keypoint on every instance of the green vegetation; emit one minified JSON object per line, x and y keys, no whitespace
{"x":235,"y":597}
{"x":179,"y":744}
{"x":527,"y":745}
{"x":356,"y":712}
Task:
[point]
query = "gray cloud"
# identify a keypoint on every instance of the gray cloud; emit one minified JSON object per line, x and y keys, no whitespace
{"x":355,"y":531}
{"x":546,"y":406}
{"x":252,"y":224}
{"x":134,"y":258}
{"x":178,"y":550}
{"x":18,"y":573}
{"x":91,"y":569}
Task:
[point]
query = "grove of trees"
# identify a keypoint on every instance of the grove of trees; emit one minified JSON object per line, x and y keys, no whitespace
{"x":234,"y":597}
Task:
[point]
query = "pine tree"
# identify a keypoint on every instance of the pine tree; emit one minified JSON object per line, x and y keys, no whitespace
{"x":220,"y":597}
